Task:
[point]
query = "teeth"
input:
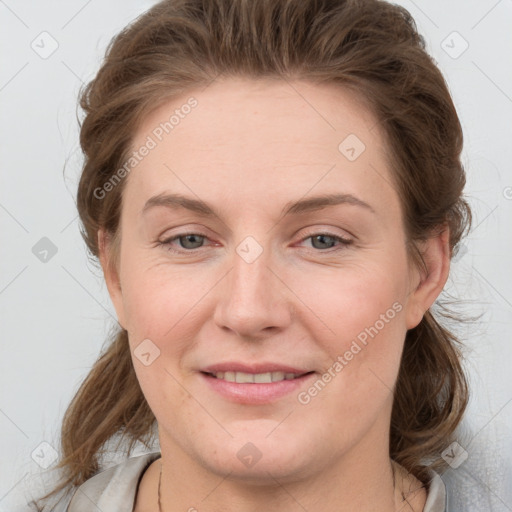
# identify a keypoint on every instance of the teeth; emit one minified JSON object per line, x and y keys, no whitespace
{"x":260,"y":378}
{"x":277,"y":376}
{"x":241,"y":377}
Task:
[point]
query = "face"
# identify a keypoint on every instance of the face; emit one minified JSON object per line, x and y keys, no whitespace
{"x":250,"y":279}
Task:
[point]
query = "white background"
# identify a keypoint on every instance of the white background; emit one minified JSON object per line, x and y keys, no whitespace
{"x":55,"y":315}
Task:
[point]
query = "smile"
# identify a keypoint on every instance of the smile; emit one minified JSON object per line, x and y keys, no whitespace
{"x":255,"y":378}
{"x":255,"y":388}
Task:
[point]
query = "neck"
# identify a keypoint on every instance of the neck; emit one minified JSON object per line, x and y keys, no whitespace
{"x":386,"y":488}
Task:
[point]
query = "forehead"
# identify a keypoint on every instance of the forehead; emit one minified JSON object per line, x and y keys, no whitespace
{"x":230,"y":110}
{"x":261,"y":138}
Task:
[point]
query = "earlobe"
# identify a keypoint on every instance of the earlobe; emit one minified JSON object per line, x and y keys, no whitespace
{"x":436,"y":254}
{"x":110,"y":274}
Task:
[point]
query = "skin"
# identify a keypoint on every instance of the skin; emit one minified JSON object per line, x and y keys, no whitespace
{"x":248,"y":148}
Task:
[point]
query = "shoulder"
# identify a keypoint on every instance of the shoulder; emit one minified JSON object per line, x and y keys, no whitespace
{"x":436,"y":495}
{"x":112,"y":489}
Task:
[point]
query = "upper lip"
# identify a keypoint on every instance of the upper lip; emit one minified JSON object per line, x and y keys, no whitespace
{"x":253,"y":368}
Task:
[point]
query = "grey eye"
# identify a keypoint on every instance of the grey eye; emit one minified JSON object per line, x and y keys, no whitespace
{"x":324,"y":240}
{"x":191,"y":241}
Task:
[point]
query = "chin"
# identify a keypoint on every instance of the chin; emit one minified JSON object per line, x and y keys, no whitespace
{"x":260,"y":460}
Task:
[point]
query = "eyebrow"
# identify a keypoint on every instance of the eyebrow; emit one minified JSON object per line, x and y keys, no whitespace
{"x":311,"y":204}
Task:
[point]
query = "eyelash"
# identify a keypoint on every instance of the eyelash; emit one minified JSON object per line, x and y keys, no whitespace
{"x":344,"y":242}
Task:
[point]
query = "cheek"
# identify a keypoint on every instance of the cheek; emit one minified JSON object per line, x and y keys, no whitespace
{"x":359,"y":322}
{"x":356,"y":386}
{"x":159,"y":299}
{"x":160,"y":389}
{"x":344,"y":301}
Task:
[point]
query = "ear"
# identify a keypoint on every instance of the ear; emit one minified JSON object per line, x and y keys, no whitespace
{"x":428,"y":285}
{"x":111,"y":275}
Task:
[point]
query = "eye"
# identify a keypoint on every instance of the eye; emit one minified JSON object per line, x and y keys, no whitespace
{"x":327,"y":240}
{"x":188,"y":242}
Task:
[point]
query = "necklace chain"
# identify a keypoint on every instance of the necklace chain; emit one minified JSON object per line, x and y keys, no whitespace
{"x":160,"y":484}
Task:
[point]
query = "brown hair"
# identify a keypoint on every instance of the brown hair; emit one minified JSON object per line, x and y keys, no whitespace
{"x":371,"y":47}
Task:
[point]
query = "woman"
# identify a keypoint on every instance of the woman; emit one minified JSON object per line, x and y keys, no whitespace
{"x":274,"y":192}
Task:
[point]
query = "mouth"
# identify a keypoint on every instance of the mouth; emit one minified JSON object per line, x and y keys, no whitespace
{"x":254,"y":384}
{"x":255,"y":378}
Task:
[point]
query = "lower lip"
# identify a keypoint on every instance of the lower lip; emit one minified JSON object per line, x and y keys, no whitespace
{"x":260,"y":393}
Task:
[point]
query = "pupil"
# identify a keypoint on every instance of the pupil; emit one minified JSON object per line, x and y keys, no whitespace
{"x":187,"y":237}
{"x":322,"y":239}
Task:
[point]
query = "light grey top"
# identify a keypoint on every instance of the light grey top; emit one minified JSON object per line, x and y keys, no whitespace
{"x":114,"y":489}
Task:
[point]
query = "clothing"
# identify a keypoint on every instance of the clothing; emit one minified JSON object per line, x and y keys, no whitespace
{"x":114,"y":489}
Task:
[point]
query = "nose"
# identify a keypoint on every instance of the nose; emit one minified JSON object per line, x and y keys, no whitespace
{"x":253,"y":299}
